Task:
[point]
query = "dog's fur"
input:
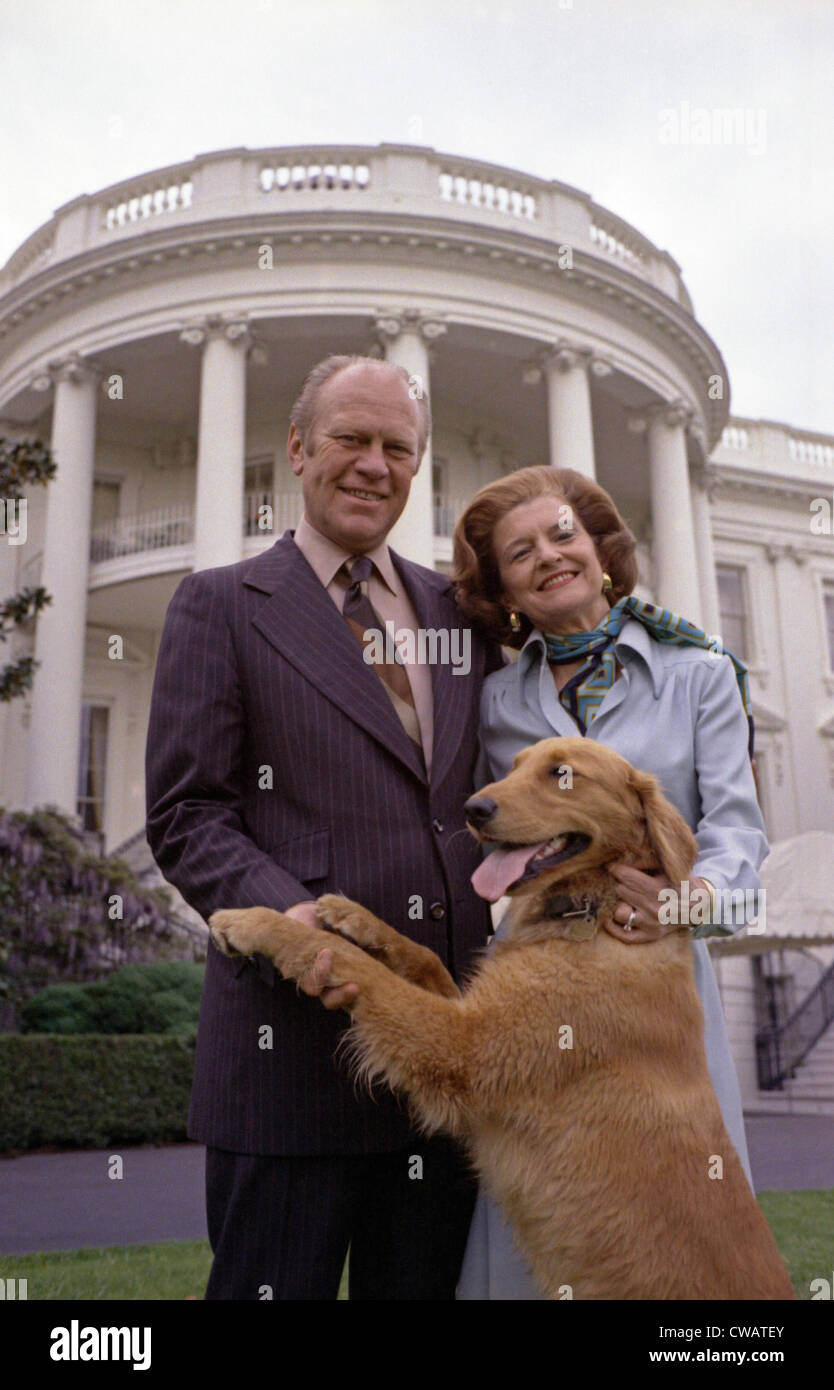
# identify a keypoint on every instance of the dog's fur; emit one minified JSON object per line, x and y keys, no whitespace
{"x":573,"y":1066}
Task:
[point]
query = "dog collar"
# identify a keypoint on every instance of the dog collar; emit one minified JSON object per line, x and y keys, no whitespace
{"x":565,"y":905}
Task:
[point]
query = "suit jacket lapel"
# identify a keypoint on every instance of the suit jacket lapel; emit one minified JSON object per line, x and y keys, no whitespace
{"x":302,"y":622}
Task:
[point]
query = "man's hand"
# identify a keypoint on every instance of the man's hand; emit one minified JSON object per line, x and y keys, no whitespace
{"x":315,"y":981}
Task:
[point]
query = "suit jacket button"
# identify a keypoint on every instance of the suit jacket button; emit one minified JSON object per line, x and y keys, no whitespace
{"x":437,"y":826}
{"x":437,"y":911}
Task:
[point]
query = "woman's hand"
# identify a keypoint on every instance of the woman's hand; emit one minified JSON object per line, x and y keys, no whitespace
{"x":640,"y":895}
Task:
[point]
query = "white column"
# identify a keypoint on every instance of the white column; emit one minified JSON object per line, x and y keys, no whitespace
{"x":569,"y":417}
{"x":702,"y":523}
{"x":221,"y":447}
{"x":677,"y":582}
{"x":55,"y":718}
{"x":406,"y":341}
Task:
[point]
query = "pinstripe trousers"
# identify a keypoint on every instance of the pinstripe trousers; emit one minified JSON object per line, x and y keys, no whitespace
{"x":280,"y":1227}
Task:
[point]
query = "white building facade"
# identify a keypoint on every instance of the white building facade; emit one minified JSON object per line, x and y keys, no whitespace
{"x":156,"y":334}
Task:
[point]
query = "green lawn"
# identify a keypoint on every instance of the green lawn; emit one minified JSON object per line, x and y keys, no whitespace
{"x":173,"y":1269}
{"x":803,"y":1227}
{"x":802,"y":1224}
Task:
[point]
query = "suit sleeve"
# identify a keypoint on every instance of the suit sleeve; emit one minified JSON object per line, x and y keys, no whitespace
{"x":194,"y":762}
{"x":731,"y":833}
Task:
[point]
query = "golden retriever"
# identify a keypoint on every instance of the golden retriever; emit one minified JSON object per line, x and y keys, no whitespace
{"x":572,"y":1067}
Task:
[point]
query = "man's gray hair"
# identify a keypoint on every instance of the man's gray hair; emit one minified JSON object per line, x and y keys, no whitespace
{"x":303,"y":413}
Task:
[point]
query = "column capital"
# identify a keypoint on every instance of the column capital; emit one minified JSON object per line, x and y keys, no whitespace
{"x":233,"y":327}
{"x":426,"y":326}
{"x":784,"y":551}
{"x":75,"y":368}
{"x":669,"y":413}
{"x":672,"y":413}
{"x":564,"y":356}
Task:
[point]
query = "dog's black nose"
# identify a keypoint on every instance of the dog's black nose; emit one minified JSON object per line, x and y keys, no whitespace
{"x":480,"y":809}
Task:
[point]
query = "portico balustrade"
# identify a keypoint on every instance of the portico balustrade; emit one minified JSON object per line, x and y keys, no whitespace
{"x":230,"y":184}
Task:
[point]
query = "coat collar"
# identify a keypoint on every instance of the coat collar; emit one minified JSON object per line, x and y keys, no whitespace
{"x":301,"y":621}
{"x":634,"y":639}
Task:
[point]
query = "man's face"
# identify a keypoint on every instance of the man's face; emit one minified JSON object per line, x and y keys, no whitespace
{"x":361,"y":456}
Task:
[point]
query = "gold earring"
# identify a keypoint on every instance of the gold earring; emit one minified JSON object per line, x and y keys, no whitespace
{"x":515,"y":621}
{"x":607,"y":586}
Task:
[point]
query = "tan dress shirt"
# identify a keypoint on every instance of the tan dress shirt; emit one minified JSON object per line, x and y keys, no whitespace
{"x":388,"y":596}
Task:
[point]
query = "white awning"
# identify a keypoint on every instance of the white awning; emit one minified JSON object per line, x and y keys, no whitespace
{"x":798,"y":882}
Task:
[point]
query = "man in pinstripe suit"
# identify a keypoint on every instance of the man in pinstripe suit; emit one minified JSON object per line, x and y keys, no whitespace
{"x":278,"y":769}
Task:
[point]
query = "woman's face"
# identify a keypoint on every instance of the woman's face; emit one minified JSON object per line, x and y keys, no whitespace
{"x":549,"y":566}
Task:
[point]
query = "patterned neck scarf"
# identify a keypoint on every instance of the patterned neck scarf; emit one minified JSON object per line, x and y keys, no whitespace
{"x":585,"y":691}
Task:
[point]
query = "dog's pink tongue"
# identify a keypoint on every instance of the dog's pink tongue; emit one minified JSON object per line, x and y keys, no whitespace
{"x":493,"y":877}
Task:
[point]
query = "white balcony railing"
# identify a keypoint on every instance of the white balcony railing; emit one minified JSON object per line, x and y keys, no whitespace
{"x":133,"y":535}
{"x":271,"y":513}
{"x":264,"y":514}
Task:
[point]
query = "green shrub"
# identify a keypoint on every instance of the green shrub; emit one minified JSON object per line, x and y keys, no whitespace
{"x":163,"y":997}
{"x":61,"y":1009}
{"x":90,"y":1092}
{"x":69,"y":916}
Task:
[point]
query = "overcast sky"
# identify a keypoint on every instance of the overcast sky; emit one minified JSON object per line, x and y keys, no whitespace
{"x":94,"y":91}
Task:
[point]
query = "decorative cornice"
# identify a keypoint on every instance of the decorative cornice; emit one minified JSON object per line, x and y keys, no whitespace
{"x":748,"y":480}
{"x":588,"y":275}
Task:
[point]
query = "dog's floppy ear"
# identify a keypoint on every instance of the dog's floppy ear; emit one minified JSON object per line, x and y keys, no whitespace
{"x":671,"y":840}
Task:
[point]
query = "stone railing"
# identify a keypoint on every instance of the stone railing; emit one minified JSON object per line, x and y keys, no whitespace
{"x":489,"y":188}
{"x":171,"y":526}
{"x":297,"y":178}
{"x":817,"y":453}
{"x":405,"y":181}
{"x":769,"y":447}
{"x":142,"y":203}
{"x":284,"y":512}
{"x":134,"y":535}
{"x":174,"y":526}
{"x":734,"y":437}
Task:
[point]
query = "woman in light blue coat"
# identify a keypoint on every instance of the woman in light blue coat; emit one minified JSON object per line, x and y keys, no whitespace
{"x":544,"y":562}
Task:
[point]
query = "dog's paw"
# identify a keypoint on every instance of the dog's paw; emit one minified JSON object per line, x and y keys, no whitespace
{"x":233,"y":932}
{"x":351,"y":921}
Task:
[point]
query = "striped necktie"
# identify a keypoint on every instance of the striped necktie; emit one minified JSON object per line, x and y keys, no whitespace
{"x":362,"y":617}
